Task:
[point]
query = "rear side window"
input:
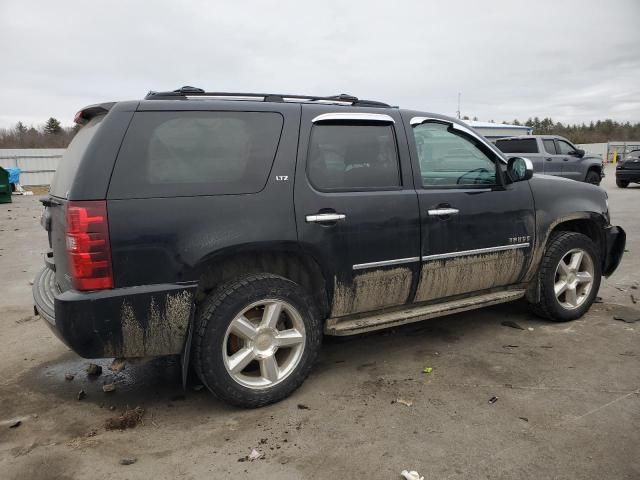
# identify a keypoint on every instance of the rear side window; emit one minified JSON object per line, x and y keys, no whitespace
{"x":70,"y":162}
{"x":346,"y":157}
{"x":520,"y":145}
{"x":196,"y":153}
{"x":550,"y":146}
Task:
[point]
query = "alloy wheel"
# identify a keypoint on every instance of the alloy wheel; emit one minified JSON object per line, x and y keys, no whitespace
{"x":264,"y":343}
{"x":574,"y":278}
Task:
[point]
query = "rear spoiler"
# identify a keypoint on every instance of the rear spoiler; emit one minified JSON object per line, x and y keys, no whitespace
{"x":88,"y":112}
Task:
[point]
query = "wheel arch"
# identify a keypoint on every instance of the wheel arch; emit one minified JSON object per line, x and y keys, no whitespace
{"x":587,"y":223}
{"x":284,"y":259}
{"x":587,"y":226}
{"x":594,"y":168}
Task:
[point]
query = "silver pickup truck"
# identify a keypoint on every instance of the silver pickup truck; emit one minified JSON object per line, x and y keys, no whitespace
{"x":554,"y":155}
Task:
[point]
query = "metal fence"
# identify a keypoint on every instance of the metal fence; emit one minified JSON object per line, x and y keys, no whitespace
{"x":37,"y":165}
{"x":621,"y":149}
{"x":607,"y":150}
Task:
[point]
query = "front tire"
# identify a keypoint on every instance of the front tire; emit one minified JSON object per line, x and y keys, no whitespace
{"x":593,"y":177}
{"x":256,"y":340}
{"x":569,"y":276}
{"x":622,"y":183}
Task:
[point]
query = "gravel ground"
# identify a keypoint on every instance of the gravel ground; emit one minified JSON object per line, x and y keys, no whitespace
{"x":568,"y":401}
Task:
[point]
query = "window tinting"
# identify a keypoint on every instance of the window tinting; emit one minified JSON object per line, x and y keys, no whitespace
{"x":519,"y":145}
{"x":353,"y":157}
{"x":196,"y":153}
{"x":550,"y":146}
{"x":65,"y":174}
{"x":449,"y":159}
{"x":563,"y":147}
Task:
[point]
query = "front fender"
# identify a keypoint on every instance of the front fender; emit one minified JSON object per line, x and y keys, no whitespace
{"x":560,"y":200}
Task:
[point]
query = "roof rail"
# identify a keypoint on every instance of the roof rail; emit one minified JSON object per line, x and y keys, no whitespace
{"x":188,"y":92}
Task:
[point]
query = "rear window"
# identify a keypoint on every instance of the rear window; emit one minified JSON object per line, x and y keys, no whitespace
{"x":520,"y":145}
{"x":196,"y":153}
{"x":66,"y":171}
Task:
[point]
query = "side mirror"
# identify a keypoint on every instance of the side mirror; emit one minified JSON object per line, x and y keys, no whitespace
{"x":578,"y":152}
{"x":519,"y":169}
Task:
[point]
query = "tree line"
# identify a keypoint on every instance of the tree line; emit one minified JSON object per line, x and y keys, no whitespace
{"x":53,"y":135}
{"x":601,"y":131}
{"x":50,"y":135}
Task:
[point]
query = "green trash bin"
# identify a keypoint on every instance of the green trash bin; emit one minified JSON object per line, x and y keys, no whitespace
{"x":5,"y":186}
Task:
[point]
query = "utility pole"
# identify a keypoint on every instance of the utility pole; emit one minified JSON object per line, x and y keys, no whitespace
{"x":459,"y":94}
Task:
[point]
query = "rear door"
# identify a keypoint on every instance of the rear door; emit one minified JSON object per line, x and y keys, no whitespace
{"x":356,"y":206}
{"x":477,"y":231}
{"x":524,"y":147}
{"x":552,"y":161}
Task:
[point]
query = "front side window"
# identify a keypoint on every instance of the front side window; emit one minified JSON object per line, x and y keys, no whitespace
{"x":550,"y":146}
{"x":346,"y":157}
{"x":447,"y":158}
{"x":564,"y":148}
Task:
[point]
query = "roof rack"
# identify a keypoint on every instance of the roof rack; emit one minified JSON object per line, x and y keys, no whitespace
{"x":185,"y":93}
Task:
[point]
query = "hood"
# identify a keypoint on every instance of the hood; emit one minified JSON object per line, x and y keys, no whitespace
{"x":567,"y":187}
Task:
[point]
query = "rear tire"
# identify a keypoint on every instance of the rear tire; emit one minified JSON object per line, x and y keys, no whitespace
{"x":622,"y":183}
{"x":593,"y":177}
{"x":569,"y":276}
{"x":256,"y":339}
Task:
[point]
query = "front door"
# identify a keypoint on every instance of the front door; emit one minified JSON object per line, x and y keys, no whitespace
{"x":477,"y":230}
{"x":571,"y":163}
{"x":356,"y":206}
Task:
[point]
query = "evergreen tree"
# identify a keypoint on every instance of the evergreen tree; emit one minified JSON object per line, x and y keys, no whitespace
{"x":52,"y":127}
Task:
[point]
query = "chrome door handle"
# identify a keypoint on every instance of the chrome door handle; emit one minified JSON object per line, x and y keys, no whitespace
{"x":443,"y":211}
{"x":325,"y":217}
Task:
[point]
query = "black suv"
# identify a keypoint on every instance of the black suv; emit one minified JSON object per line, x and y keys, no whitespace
{"x":628,"y":170}
{"x":238,"y":229}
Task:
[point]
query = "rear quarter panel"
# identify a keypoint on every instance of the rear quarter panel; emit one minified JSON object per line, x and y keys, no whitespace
{"x":94,"y":172}
{"x":165,"y":240}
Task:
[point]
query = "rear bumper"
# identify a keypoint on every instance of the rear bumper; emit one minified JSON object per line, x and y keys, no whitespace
{"x":615,"y":240}
{"x":122,"y":322}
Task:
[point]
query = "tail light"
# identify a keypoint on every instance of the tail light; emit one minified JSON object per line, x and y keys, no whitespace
{"x":88,"y":245}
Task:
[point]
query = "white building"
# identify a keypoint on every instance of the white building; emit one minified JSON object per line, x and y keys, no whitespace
{"x":493,"y":131}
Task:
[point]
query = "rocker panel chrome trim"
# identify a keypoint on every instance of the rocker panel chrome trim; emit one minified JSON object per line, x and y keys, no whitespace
{"x":386,"y":263}
{"x":478,"y":251}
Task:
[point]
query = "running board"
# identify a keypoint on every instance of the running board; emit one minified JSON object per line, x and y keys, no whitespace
{"x":349,"y":326}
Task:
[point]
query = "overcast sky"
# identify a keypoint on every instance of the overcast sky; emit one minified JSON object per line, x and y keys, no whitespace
{"x":571,"y":60}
